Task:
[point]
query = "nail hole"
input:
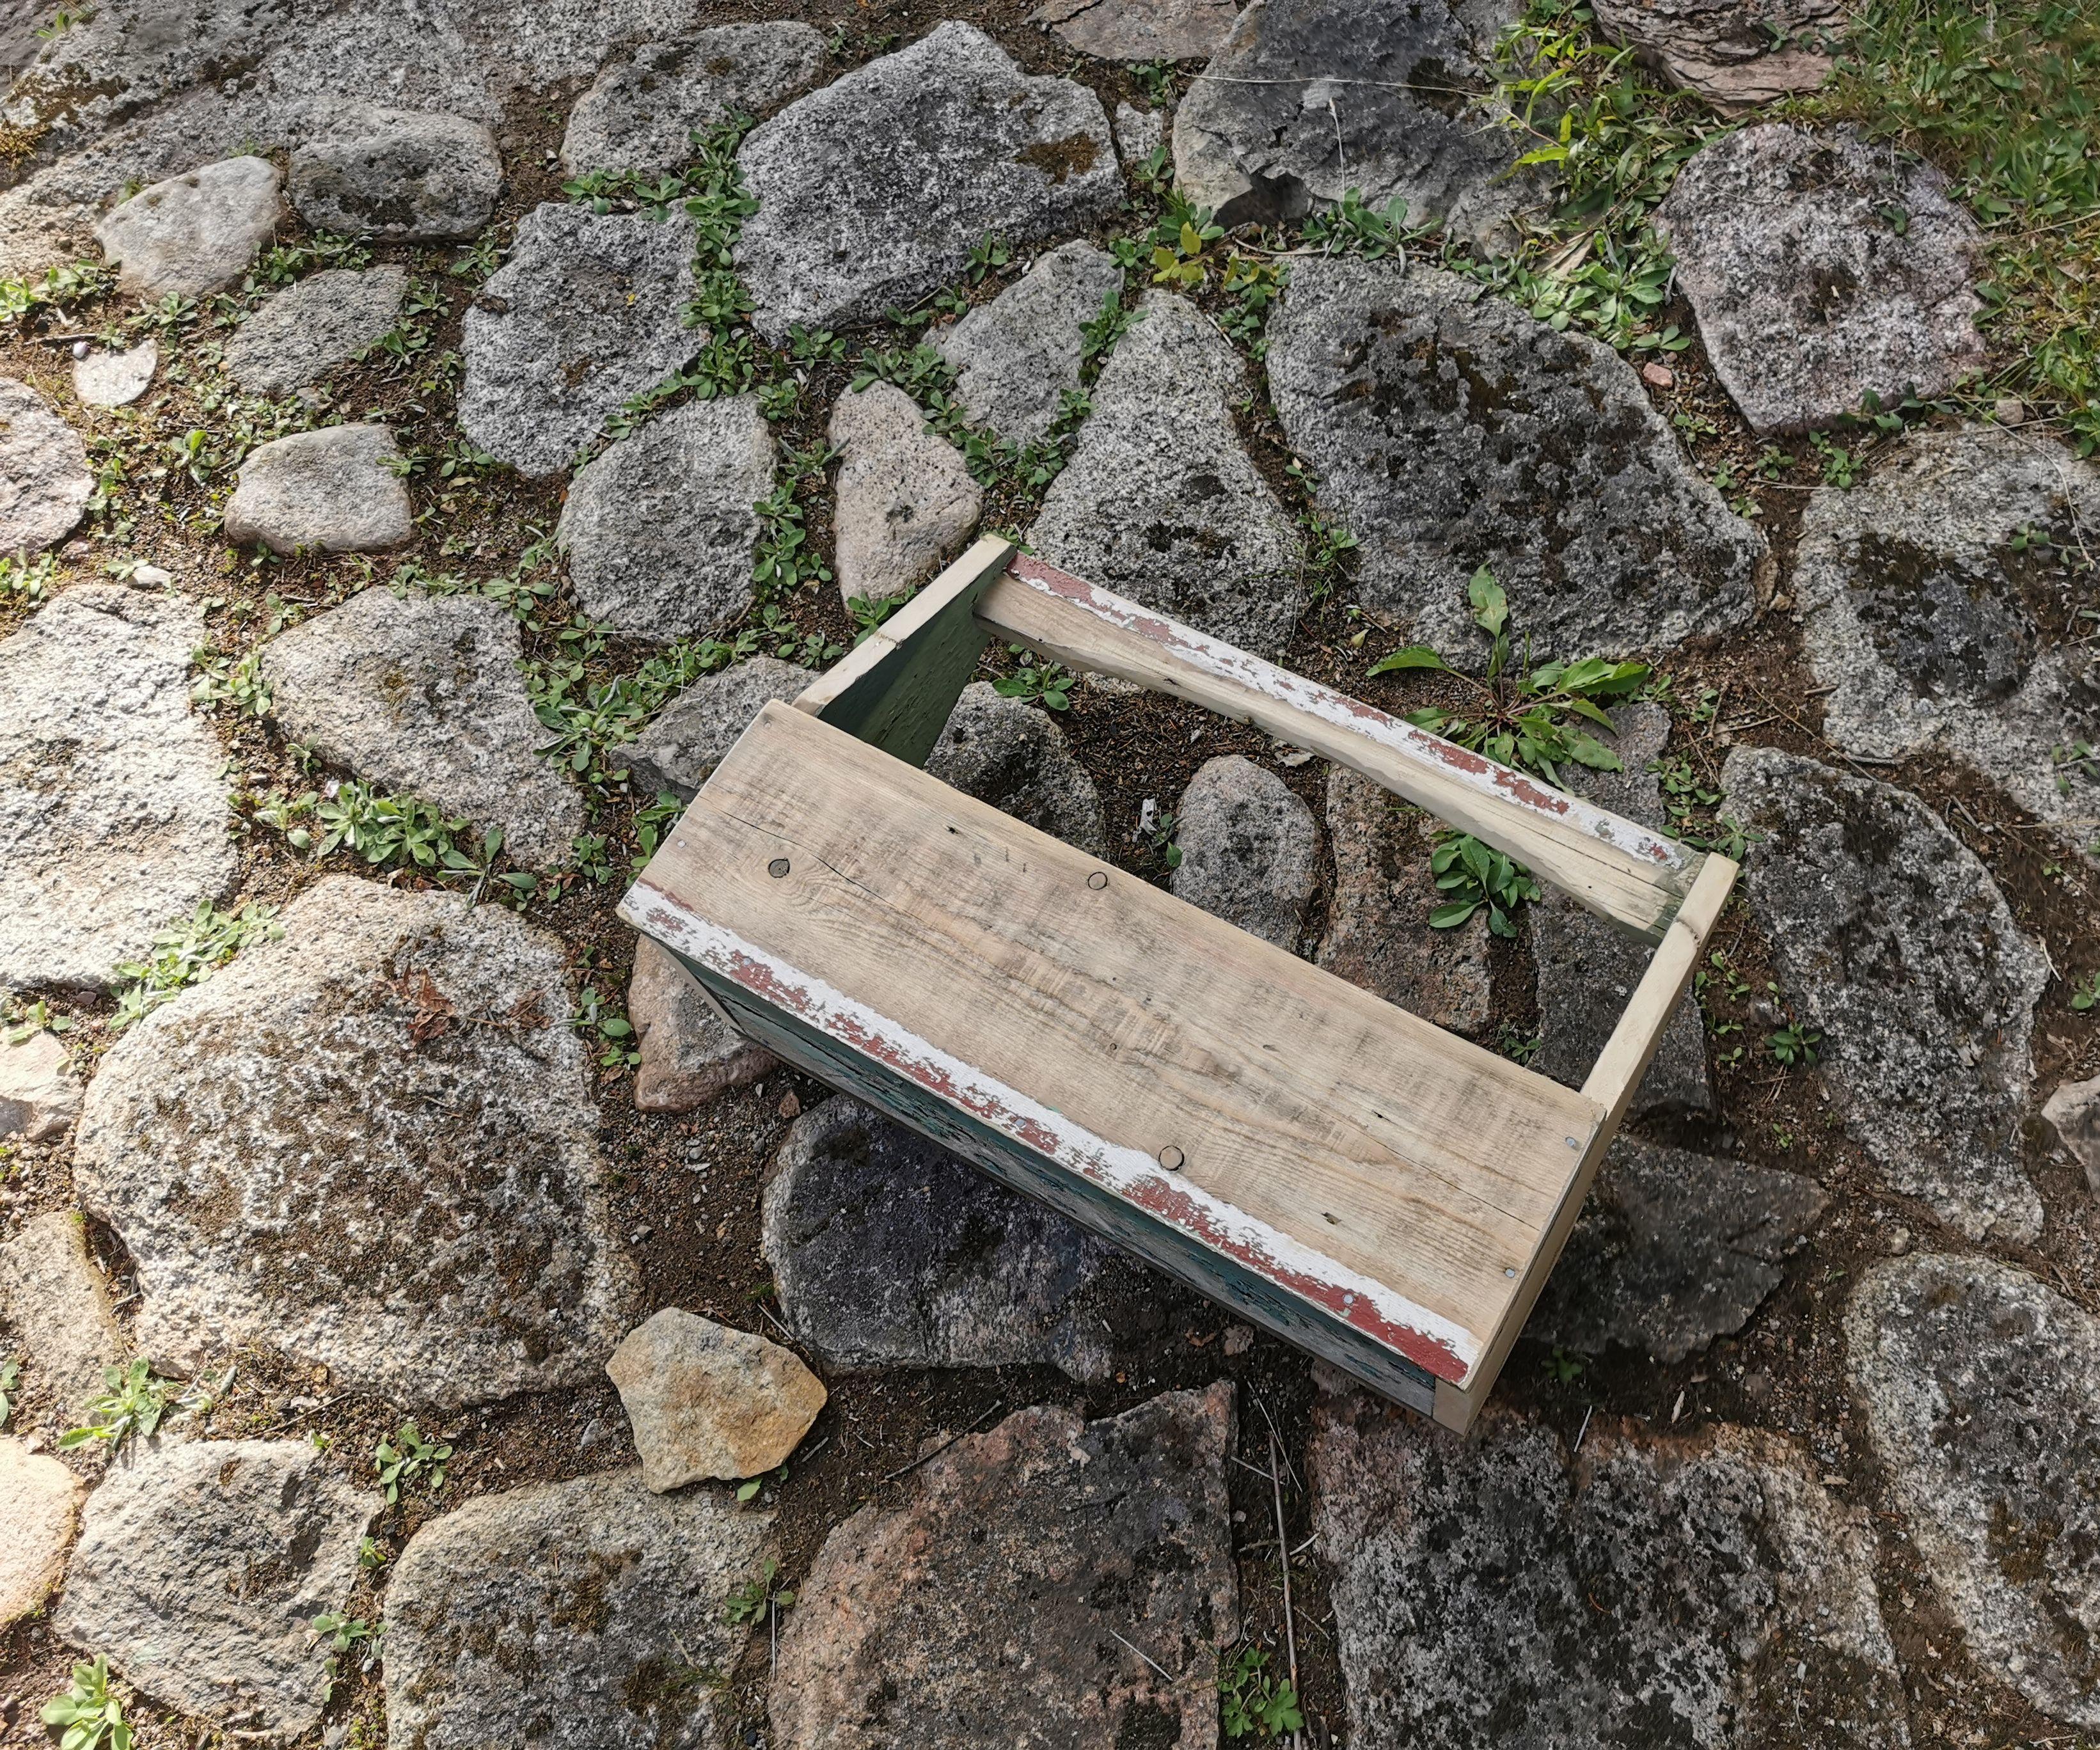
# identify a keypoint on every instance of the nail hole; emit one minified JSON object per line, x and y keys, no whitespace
{"x":1171,"y":1157}
{"x":1097,"y":880}
{"x":777,"y":868}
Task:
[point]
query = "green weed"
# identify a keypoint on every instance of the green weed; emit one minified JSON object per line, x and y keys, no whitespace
{"x":409,"y":1456}
{"x":1254,"y":1701}
{"x":89,"y":1711}
{"x":188,"y":953}
{"x":133,"y":1400}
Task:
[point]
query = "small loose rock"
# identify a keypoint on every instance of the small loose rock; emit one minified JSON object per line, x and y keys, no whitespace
{"x":194,"y":233}
{"x":706,"y":1401}
{"x":1248,"y":850}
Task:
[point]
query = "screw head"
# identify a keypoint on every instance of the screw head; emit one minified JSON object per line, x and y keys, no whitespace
{"x":1172,"y":1158}
{"x":1097,"y":880}
{"x":777,"y":868}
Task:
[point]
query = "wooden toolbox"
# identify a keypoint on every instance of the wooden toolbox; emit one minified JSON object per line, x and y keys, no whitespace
{"x":1372,"y":1188}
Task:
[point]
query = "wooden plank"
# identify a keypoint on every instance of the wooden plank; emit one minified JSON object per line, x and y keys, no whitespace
{"x":1619,"y":869}
{"x":896,"y":689}
{"x":1611,"y":1081}
{"x":1212,"y":1270}
{"x":1398,"y":1178}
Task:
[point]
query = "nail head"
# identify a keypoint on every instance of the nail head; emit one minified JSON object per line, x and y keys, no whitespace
{"x":1171,"y":1157}
{"x":1097,"y":880}
{"x":777,"y":868}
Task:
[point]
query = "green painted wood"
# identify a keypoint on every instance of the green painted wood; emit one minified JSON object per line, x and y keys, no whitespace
{"x":1214,"y":1275}
{"x":901,"y":702}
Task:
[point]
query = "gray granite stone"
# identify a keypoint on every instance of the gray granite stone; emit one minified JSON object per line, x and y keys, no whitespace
{"x":570,"y":1616}
{"x":116,"y":823}
{"x":1981,"y":1389}
{"x":1889,"y":937}
{"x":904,"y":502}
{"x":643,"y":109}
{"x":689,"y":736}
{"x":193,"y":233}
{"x":1671,"y":1250}
{"x":421,"y":693}
{"x":334,"y":490}
{"x":1497,"y":1592}
{"x":1075,"y":1576}
{"x":1250,"y":850}
{"x":1160,"y":502}
{"x":369,"y":1146}
{"x":1013,"y":756}
{"x":1449,"y":430}
{"x":660,"y":530}
{"x":586,"y":314}
{"x":307,"y":330}
{"x":1822,"y":270}
{"x":397,"y":175}
{"x":1017,"y":358}
{"x":872,"y":191}
{"x":44,"y":481}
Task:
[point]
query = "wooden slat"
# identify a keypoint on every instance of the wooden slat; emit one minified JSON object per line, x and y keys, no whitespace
{"x":896,"y":688}
{"x":1611,"y":1084}
{"x":1621,"y":869}
{"x":1407,"y":1174}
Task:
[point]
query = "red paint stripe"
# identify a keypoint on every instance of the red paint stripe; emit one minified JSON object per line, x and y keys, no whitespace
{"x":1158,"y":1198}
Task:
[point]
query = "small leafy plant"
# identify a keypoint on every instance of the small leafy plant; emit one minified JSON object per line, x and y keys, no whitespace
{"x":757,"y":1597}
{"x":10,"y":1376}
{"x":188,"y":953}
{"x":408,"y":1457}
{"x":1795,"y":1044}
{"x":343,"y":1635}
{"x":132,"y":1401}
{"x":91,"y":1713}
{"x":1254,"y":1701}
{"x":1523,"y":716}
{"x":1471,"y":874}
{"x":1046,"y":683}
{"x":2085,"y":993}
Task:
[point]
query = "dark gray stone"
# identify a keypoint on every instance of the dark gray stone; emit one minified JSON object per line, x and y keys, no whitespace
{"x":1450,"y":430}
{"x":1018,"y":357}
{"x":369,"y":1145}
{"x":1075,"y":1576}
{"x":688,"y":739}
{"x":335,"y":490}
{"x":1672,"y":1249}
{"x":1588,"y":969}
{"x":1307,"y":100}
{"x":1139,"y":30}
{"x":642,"y":112}
{"x":1823,"y":269}
{"x":1982,"y":1393}
{"x":889,"y":1252}
{"x":421,"y":693}
{"x":199,"y":1566}
{"x":44,"y":481}
{"x":1497,"y":1592}
{"x":1735,"y":52}
{"x":113,"y":821}
{"x":872,"y":191}
{"x":1013,"y":756}
{"x":1160,"y":502}
{"x":1929,"y":628}
{"x":1378,"y":933}
{"x":194,"y":233}
{"x":305,"y":331}
{"x":1250,"y":850}
{"x":571,"y":1616}
{"x":661,"y":531}
{"x":1891,"y":938}
{"x":397,"y":176}
{"x":585,"y":316}
{"x":689,"y":1055}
